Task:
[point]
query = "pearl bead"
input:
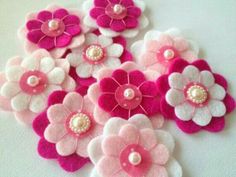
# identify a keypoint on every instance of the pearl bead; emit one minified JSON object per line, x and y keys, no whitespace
{"x":118,"y":9}
{"x":197,"y":94}
{"x":169,"y":54}
{"x":94,"y":53}
{"x":53,"y":25}
{"x":135,"y":158}
{"x":80,"y":123}
{"x":129,"y":94}
{"x":33,"y":81}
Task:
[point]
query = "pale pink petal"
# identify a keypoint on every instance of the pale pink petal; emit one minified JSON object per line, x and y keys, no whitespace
{"x":25,"y":117}
{"x":14,"y":61}
{"x":157,"y":121}
{"x":165,"y":40}
{"x":94,"y":93}
{"x":181,"y":44}
{"x":82,"y":145}
{"x":148,"y":139}
{"x":57,"y":113}
{"x":67,"y":145}
{"x":160,"y":154}
{"x":157,"y":171}
{"x":73,"y":102}
{"x":141,"y":121}
{"x":5,"y":104}
{"x":101,"y":116}
{"x":148,"y":59}
{"x":55,"y":132}
{"x":68,"y":84}
{"x":64,"y":64}
{"x":95,"y":149}
{"x":153,"y":46}
{"x":130,"y":134}
{"x":113,"y":145}
{"x":88,"y":106}
{"x":189,"y":55}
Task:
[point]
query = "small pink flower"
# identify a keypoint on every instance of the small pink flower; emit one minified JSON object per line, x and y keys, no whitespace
{"x":194,"y":96}
{"x":55,"y":29}
{"x":133,"y":149}
{"x":160,"y":49}
{"x":72,"y":125}
{"x":27,"y":83}
{"x":116,"y":17}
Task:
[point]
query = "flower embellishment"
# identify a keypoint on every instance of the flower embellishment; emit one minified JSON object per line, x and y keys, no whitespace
{"x":133,"y":149}
{"x":159,"y":49}
{"x":123,"y":93}
{"x":27,"y":83}
{"x":55,"y":29}
{"x":194,"y":96}
{"x":116,"y":18}
{"x":97,"y":52}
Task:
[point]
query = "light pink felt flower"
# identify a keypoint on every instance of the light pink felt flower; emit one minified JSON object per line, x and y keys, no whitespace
{"x":26,"y":84}
{"x":55,"y":29}
{"x":124,"y":92}
{"x":114,"y":18}
{"x":72,"y":125}
{"x":159,"y":49}
{"x":133,"y":149}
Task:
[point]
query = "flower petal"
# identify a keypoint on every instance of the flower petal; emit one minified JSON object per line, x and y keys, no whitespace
{"x":104,"y":21}
{"x":47,"y":64}
{"x":147,"y":139}
{"x":157,"y":171}
{"x":108,"y":85}
{"x":107,"y":102}
{"x":177,"y":81}
{"x":101,"y":3}
{"x":134,"y":11}
{"x":82,"y":146}
{"x":67,"y":145}
{"x":73,"y":30}
{"x":56,"y":76}
{"x":112,"y":63}
{"x":207,"y":79}
{"x":104,"y":41}
{"x":91,"y":39}
{"x":47,"y":43}
{"x":191,"y":73}
{"x":114,"y":50}
{"x":30,"y":63}
{"x":174,"y":97}
{"x":10,"y":89}
{"x":184,"y":111}
{"x":60,"y":13}
{"x":202,"y":116}
{"x":166,"y":139}
{"x":20,"y":102}
{"x":54,"y":132}
{"x":130,"y":134}
{"x":113,"y":145}
{"x":160,"y":154}
{"x":217,"y":108}
{"x":73,"y":101}
{"x":33,"y":25}
{"x":117,"y":25}
{"x":217,"y":92}
{"x":75,"y":59}
{"x":63,"y":40}
{"x":84,"y":70}
{"x":95,"y":149}
{"x":120,"y":76}
{"x":174,"y":169}
{"x":44,"y":16}
{"x":96,"y":12}
{"x":101,"y":116}
{"x":37,"y":103}
{"x":57,"y":113}
{"x":181,"y":44}
{"x":71,"y":20}
{"x":131,"y":22}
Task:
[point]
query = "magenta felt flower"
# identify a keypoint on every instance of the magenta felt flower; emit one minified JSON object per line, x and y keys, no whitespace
{"x":123,"y":93}
{"x":194,"y":96}
{"x":66,"y":128}
{"x":55,"y":29}
{"x":159,"y":49}
{"x":26,"y":83}
{"x":114,"y":18}
{"x":133,"y":149}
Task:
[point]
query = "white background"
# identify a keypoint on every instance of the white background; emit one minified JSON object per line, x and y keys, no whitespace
{"x":212,"y":23}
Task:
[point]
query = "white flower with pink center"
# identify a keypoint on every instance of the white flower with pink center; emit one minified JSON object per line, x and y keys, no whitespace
{"x":26,"y":84}
{"x":72,"y":125}
{"x":132,"y":148}
{"x":97,"y":52}
{"x":195,"y":96}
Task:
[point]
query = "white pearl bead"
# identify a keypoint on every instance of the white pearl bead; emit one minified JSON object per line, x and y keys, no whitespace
{"x":118,"y":8}
{"x":197,"y":94}
{"x":53,"y":25}
{"x":80,"y":123}
{"x":94,"y":53}
{"x":129,"y":94}
{"x":169,"y":54}
{"x":33,"y":81}
{"x":135,"y":158}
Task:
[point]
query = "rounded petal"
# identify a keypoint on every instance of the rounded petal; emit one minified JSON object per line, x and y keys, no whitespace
{"x":111,"y":162}
{"x":20,"y":102}
{"x":10,"y":89}
{"x":104,"y":21}
{"x":177,"y":81}
{"x":107,"y":102}
{"x":73,"y":102}
{"x":181,"y":44}
{"x":95,"y":149}
{"x":207,"y":79}
{"x":217,"y":92}
{"x":67,"y":145}
{"x":33,"y":25}
{"x":71,"y":20}
{"x":120,"y":76}
{"x":56,"y":76}
{"x":147,"y":139}
{"x":37,"y":103}
{"x":14,"y":73}
{"x":74,"y":59}
{"x":165,"y":138}
{"x":112,"y":63}
{"x":175,"y":97}
{"x":47,"y":43}
{"x":35,"y":36}
{"x":174,"y":169}
{"x":188,"y":126}
{"x":157,"y":171}
{"x":104,"y":41}
{"x":216,"y":125}
{"x":44,"y":16}
{"x":64,"y":39}
{"x":57,"y":113}
{"x":184,"y":111}
{"x":47,"y":64}
{"x":141,"y":121}
{"x":160,"y":154}
{"x":30,"y":63}
{"x":191,"y":73}
{"x":130,"y":134}
{"x":202,"y":65}
{"x":82,"y":146}
{"x":47,"y":150}
{"x":84,"y":70}
{"x":202,"y":116}
{"x":113,"y":145}
{"x":54,"y":132}
{"x":217,"y":108}
{"x":108,"y":85}
{"x":117,"y":25}
{"x":131,"y":22}
{"x":114,"y":50}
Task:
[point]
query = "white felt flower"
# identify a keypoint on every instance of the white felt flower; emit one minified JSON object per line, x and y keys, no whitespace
{"x":195,"y":96}
{"x":97,"y":52}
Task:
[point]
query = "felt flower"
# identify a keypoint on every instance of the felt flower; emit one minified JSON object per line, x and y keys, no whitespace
{"x":114,"y":18}
{"x":26,"y":84}
{"x":48,"y":150}
{"x":194,"y":96}
{"x":123,"y":92}
{"x":133,"y":149}
{"x":97,"y":52}
{"x":159,"y":49}
{"x":55,"y":29}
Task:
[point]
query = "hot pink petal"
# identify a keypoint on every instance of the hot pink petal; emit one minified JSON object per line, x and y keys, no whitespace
{"x":221,"y":80}
{"x":120,"y":112}
{"x":167,"y":111}
{"x":160,"y":154}
{"x":120,"y":76}
{"x":149,"y":88}
{"x":73,"y":30}
{"x":44,"y":16}
{"x":56,"y":97}
{"x":138,"y":110}
{"x":136,"y":78}
{"x":150,"y":105}
{"x":96,"y":12}
{"x":162,"y":84}
{"x":188,"y":126}
{"x":134,"y":11}
{"x":57,"y":113}
{"x":47,"y":150}
{"x":216,"y":124}
{"x":147,"y":139}
{"x":101,"y":3}
{"x":114,"y":1}
{"x":104,"y":21}
{"x":127,"y":3}
{"x":47,"y":43}
{"x":229,"y":103}
{"x":71,"y":20}
{"x":108,"y":85}
{"x":72,"y":163}
{"x":35,"y":36}
{"x":86,"y":81}
{"x":126,"y":56}
{"x":130,"y":134}
{"x":60,"y":13}
{"x":201,"y":65}
{"x":117,"y":25}
{"x":63,"y":40}
{"x":73,"y":102}
{"x":131,"y":22}
{"x":157,"y":171}
{"x":178,"y":65}
{"x":33,"y":25}
{"x":40,"y":123}
{"x":120,"y":40}
{"x":107,"y":102}
{"x":113,"y":145}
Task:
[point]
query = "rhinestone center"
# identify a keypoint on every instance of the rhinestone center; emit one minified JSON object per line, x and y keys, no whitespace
{"x":80,"y":123}
{"x":135,"y":158}
{"x":197,"y":94}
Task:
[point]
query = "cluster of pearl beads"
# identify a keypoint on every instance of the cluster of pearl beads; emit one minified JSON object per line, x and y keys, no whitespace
{"x":197,"y":94}
{"x":80,"y":123}
{"x":94,"y":53}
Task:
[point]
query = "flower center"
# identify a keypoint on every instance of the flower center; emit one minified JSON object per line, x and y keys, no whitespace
{"x":116,"y":11}
{"x":33,"y":81}
{"x":169,"y":54}
{"x":79,"y":123}
{"x":135,"y":158}
{"x":129,"y":94}
{"x":197,"y":94}
{"x":53,"y":28}
{"x":94,"y":53}
{"x":53,"y":25}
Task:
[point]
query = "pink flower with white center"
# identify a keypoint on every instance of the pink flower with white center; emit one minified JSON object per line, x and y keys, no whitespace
{"x":114,"y":18}
{"x":55,"y":29}
{"x":97,"y":52}
{"x":72,"y":125}
{"x":26,"y":84}
{"x":133,"y":149}
{"x":159,"y":49}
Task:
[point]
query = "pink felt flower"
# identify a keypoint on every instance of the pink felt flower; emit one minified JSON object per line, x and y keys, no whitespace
{"x":194,"y":96}
{"x":159,"y":49}
{"x":133,"y":149}
{"x":26,"y":84}
{"x":114,"y":18}
{"x":55,"y":29}
{"x":123,"y":93}
{"x":47,"y":150}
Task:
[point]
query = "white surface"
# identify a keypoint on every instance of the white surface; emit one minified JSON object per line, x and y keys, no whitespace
{"x":211,"y":23}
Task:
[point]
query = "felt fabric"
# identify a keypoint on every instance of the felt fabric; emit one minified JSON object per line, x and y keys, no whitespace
{"x":28,"y":83}
{"x":110,"y":151}
{"x":175,"y":103}
{"x":67,"y":32}
{"x":126,"y":22}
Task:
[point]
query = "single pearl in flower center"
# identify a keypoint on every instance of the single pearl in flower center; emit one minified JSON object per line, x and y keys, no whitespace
{"x":129,"y":94}
{"x":197,"y":94}
{"x":33,"y":81}
{"x":80,"y":123}
{"x":169,"y":54}
{"x":118,"y":9}
{"x":135,"y":158}
{"x":94,"y":53}
{"x":53,"y":25}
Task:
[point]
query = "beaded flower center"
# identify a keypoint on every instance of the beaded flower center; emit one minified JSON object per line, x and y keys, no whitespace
{"x":197,"y":94}
{"x":94,"y":53}
{"x":79,"y":123}
{"x":116,"y":11}
{"x":53,"y":28}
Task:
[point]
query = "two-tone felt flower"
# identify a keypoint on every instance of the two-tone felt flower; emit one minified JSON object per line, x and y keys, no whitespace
{"x":194,"y":96}
{"x":132,"y":148}
{"x":26,"y":84}
{"x":114,"y":18}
